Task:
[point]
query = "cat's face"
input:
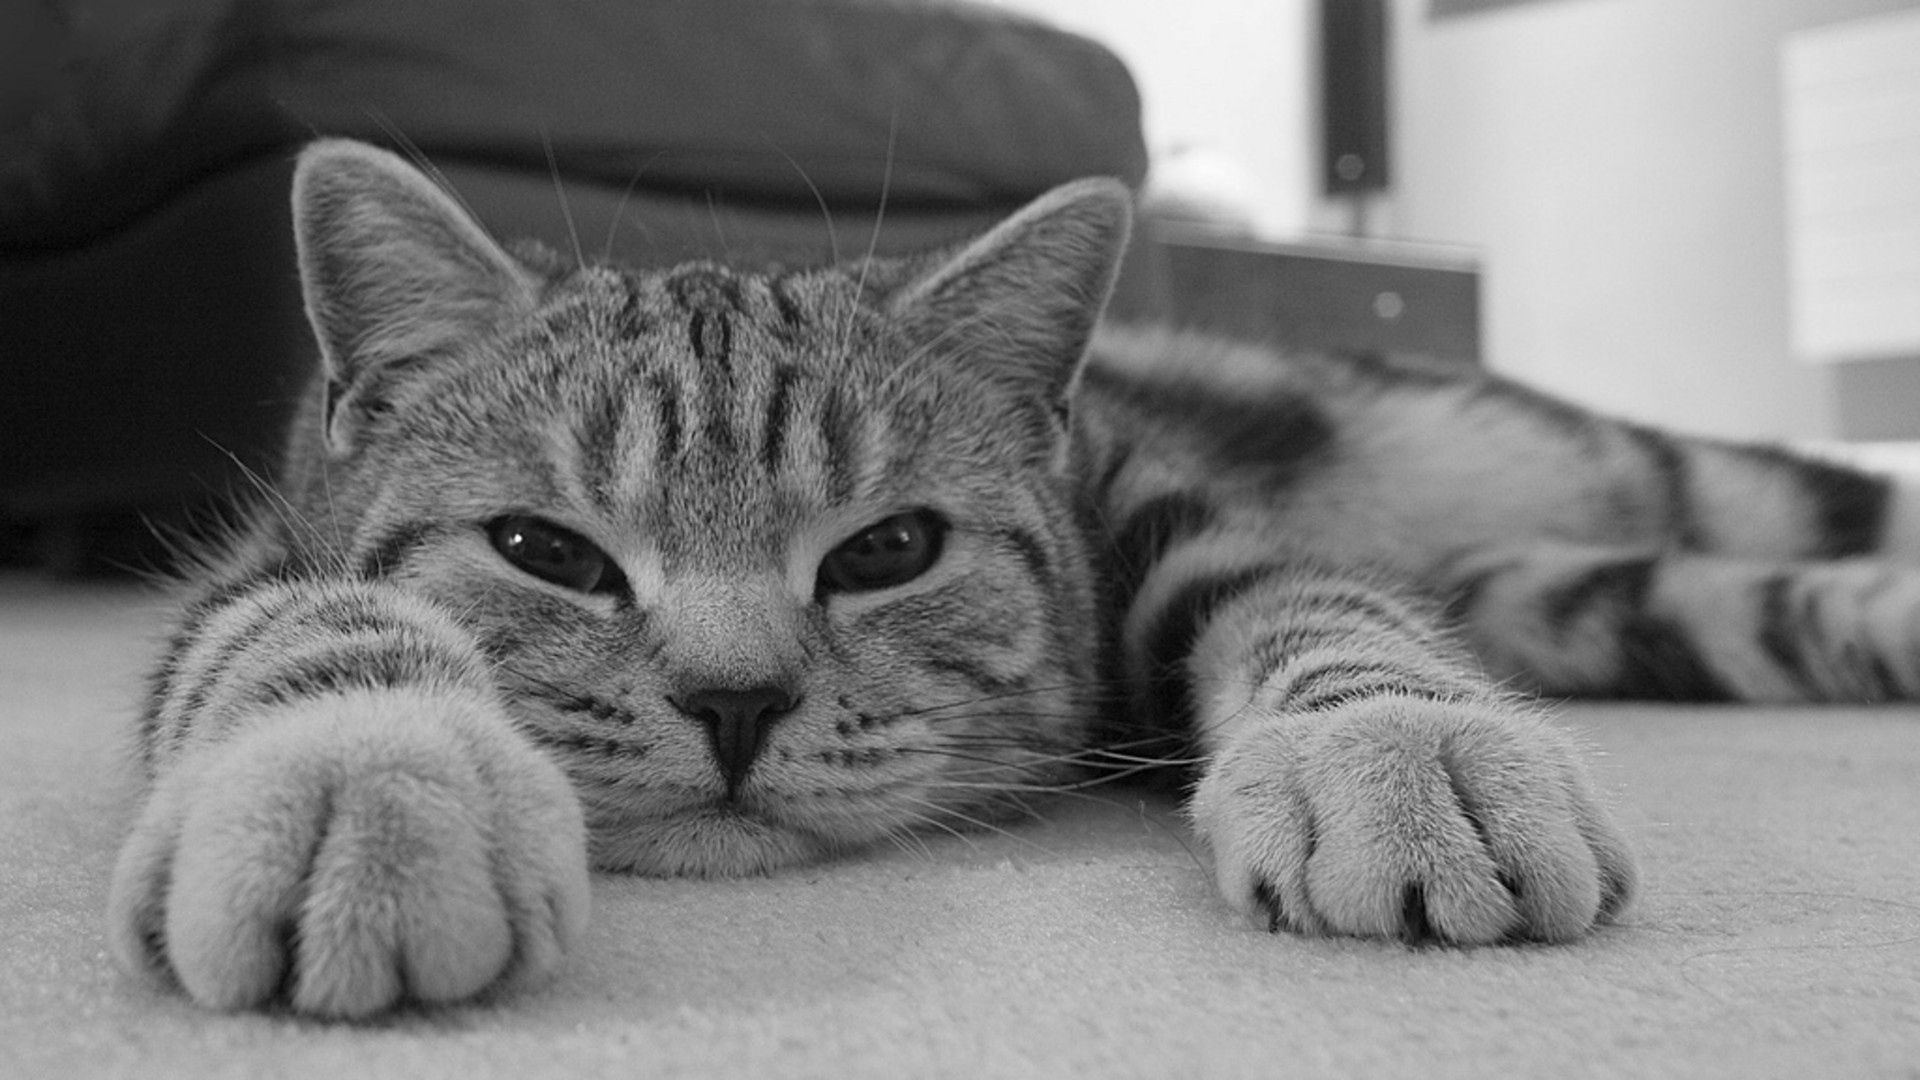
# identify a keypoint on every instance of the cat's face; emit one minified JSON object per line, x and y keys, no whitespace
{"x":771,"y":566}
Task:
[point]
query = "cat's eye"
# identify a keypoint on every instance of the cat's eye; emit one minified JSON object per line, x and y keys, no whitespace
{"x":553,"y":554}
{"x":884,"y":554}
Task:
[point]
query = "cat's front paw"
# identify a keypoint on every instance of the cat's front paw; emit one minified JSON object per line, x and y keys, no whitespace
{"x":353,"y":852}
{"x":1460,"y":823}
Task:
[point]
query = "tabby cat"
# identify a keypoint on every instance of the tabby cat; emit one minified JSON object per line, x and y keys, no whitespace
{"x":709,"y":572}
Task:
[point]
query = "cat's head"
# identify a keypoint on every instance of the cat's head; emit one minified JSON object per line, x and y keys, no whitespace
{"x":771,"y":565}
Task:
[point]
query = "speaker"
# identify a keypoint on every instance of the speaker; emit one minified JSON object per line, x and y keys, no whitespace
{"x":1353,"y":95}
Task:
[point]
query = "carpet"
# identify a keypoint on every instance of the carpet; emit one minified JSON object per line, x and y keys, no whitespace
{"x":1777,"y":934}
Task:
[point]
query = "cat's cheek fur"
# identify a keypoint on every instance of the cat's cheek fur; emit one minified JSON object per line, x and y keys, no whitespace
{"x":1467,"y":823}
{"x":352,"y":852}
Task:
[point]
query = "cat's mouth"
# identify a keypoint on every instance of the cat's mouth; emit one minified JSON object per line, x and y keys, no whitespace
{"x":718,"y":838}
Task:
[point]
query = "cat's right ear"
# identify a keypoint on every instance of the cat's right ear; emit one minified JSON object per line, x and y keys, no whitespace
{"x":394,"y":272}
{"x":1030,"y":291}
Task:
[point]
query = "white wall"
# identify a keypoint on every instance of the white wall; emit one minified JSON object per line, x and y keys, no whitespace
{"x":1618,"y":162}
{"x":1234,"y":77}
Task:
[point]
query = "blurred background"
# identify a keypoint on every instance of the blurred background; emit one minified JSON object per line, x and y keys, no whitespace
{"x":1696,"y":213}
{"x":1654,"y":235}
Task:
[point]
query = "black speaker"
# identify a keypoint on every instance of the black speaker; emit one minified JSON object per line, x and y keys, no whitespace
{"x":1353,"y":95}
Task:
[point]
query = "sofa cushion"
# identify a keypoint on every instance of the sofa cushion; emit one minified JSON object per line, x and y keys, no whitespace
{"x":757,"y":101}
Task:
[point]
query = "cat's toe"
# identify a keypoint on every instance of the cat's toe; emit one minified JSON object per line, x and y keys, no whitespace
{"x":137,"y":900}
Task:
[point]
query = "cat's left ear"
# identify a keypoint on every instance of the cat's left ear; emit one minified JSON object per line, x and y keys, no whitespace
{"x":1024,"y":298}
{"x":395,"y":272}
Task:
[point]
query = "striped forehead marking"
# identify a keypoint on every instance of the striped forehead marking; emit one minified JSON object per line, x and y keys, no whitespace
{"x":774,"y":413}
{"x":711,"y":298}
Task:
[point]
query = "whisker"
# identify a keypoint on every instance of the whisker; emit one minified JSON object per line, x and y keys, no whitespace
{"x":1112,"y":762}
{"x":873,"y":240}
{"x":1104,"y":753}
{"x":1114,"y":751}
{"x":819,"y":199}
{"x":303,"y":534}
{"x":1095,"y":691}
{"x":886,"y":192}
{"x":908,"y":841}
{"x":1115,"y":800}
{"x":560,"y":190}
{"x":1102,"y":776}
{"x":620,"y":208}
{"x":333,"y":514}
{"x":719,"y":230}
{"x":921,"y":819}
{"x":419,"y":158}
{"x":1110,"y":800}
{"x":998,"y":763}
{"x":977,"y":823}
{"x":1016,"y":801}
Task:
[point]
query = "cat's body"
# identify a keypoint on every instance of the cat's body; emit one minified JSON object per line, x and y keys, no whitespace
{"x":771,"y":567}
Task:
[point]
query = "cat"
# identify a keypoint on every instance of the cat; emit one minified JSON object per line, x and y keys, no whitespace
{"x":705,"y":571}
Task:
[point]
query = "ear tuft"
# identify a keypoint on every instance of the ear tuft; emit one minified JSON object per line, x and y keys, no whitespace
{"x":1026,"y":296}
{"x":393,"y":270}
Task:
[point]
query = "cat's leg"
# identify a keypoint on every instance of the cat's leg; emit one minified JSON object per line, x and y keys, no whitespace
{"x":1624,"y":623}
{"x":341,"y":815}
{"x":1360,"y":776}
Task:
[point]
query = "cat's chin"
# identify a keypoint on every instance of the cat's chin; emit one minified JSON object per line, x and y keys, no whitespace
{"x":713,"y":841}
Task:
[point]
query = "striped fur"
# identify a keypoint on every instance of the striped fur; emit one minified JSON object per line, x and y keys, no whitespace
{"x":1575,"y":555}
{"x":706,"y":571}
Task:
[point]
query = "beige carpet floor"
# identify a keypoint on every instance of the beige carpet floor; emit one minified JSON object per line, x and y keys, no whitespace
{"x":1778,"y":933}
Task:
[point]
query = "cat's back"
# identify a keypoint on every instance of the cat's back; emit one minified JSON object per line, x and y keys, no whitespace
{"x":1226,"y":412}
{"x":1398,"y":461}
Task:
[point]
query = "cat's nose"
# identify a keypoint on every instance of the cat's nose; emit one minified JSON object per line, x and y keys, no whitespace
{"x":737,"y":723}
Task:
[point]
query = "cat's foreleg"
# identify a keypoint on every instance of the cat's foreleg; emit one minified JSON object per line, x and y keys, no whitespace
{"x":341,"y":814}
{"x":1360,"y":776}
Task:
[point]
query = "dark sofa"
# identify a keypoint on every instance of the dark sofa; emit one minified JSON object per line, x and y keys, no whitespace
{"x":151,"y":337}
